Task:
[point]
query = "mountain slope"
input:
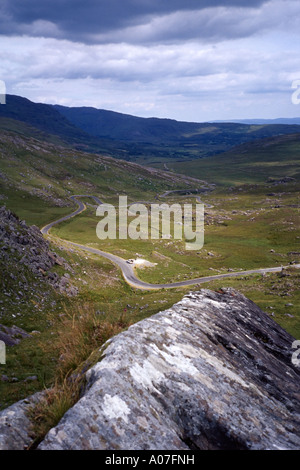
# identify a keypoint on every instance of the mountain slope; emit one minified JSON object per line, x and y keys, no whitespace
{"x":273,"y":159}
{"x":43,"y":121}
{"x":205,"y":138}
{"x":37,"y":178}
{"x":144,"y":140}
{"x":40,"y":116}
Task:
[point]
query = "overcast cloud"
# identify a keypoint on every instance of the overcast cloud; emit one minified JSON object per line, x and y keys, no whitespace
{"x":184,"y":59}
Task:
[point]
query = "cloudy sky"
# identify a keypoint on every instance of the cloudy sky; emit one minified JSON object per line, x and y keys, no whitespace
{"x":192,"y":60}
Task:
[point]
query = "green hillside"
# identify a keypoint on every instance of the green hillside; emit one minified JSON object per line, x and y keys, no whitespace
{"x":36,"y":177}
{"x":167,"y":137}
{"x":148,"y":141}
{"x":46,"y":123}
{"x":257,"y":162}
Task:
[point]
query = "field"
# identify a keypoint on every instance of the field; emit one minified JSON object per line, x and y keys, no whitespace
{"x":243,"y":230}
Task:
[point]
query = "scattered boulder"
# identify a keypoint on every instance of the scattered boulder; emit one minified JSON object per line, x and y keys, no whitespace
{"x":280,"y":180}
{"x":12,"y":335}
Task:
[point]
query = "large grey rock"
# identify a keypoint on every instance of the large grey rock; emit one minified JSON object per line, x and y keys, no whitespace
{"x":15,"y":425}
{"x":212,"y":372}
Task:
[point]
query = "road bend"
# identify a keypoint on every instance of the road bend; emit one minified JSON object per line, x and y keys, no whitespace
{"x":128,"y":270}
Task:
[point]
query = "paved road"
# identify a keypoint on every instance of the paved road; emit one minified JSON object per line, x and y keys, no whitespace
{"x":127,"y":269}
{"x":81,"y":208}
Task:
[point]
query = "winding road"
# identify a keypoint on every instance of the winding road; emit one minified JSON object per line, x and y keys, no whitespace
{"x":127,"y":269}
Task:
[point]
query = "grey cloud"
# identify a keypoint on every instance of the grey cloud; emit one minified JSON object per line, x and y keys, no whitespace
{"x":93,"y":20}
{"x":205,"y":25}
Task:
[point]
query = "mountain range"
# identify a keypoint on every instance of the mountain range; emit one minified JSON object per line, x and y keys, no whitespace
{"x":143,"y":140}
{"x":286,"y":121}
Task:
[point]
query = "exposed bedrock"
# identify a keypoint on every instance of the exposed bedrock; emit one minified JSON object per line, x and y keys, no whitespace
{"x":212,"y":372}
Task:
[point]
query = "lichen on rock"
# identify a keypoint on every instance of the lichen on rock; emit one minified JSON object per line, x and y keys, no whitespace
{"x":212,"y":372}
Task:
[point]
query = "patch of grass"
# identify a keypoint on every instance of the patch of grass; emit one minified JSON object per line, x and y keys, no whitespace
{"x":49,"y":410}
{"x":275,"y":293}
{"x":32,"y":209}
{"x":78,"y":332}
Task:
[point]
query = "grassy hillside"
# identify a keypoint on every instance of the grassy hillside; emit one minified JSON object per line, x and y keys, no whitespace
{"x":46,"y":123}
{"x":255,"y":162}
{"x":146,"y":141}
{"x":37,"y":177}
{"x":167,"y":137}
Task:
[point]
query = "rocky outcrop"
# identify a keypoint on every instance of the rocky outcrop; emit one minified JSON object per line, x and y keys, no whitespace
{"x":23,"y":246}
{"x":212,"y":372}
{"x":281,"y":180}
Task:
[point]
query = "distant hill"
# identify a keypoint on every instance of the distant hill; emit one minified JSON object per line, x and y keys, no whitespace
{"x":274,"y":160}
{"x":285,"y":121}
{"x":40,"y":116}
{"x":43,"y":121}
{"x":124,"y":127}
{"x":144,"y":140}
{"x":166,"y":139}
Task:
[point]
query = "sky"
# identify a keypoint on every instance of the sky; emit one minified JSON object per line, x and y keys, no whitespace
{"x":189,"y":60}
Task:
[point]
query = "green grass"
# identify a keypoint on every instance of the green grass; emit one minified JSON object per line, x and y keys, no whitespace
{"x":103,"y":295}
{"x":34,"y":210}
{"x":240,"y":231}
{"x":277,"y":295}
{"x":247,"y":164}
{"x":38,"y":177}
